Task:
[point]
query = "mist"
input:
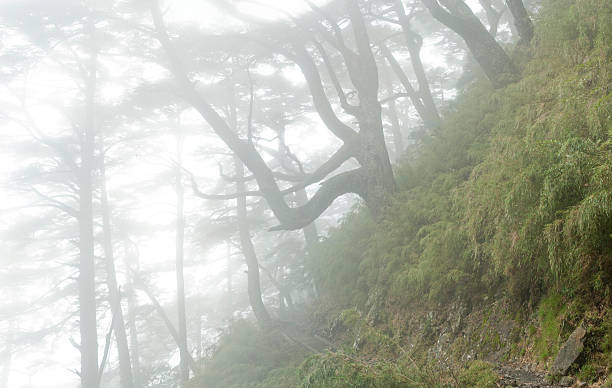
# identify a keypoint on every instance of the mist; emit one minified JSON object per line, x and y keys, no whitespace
{"x":304,"y":193}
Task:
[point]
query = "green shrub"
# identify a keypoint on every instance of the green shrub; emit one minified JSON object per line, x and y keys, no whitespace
{"x":247,"y":357}
{"x":478,"y":374}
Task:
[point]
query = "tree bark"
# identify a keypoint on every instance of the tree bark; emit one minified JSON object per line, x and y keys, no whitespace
{"x":522,"y":22}
{"x":134,"y":347}
{"x":493,"y":16}
{"x":311,"y":235}
{"x":398,"y":141}
{"x":86,"y":278}
{"x":248,"y":250}
{"x":491,"y":57}
{"x":125,"y":367}
{"x":180,"y":256}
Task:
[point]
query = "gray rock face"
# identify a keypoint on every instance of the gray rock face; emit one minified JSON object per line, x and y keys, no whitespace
{"x":569,"y":352}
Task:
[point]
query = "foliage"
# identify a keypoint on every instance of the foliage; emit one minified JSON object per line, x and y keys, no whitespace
{"x":547,"y":341}
{"x":514,"y":190}
{"x":478,"y":374}
{"x":513,"y":196}
{"x":246,"y":357}
{"x":343,"y":371}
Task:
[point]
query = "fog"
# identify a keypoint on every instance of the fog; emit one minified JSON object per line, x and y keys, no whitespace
{"x":168,"y":167}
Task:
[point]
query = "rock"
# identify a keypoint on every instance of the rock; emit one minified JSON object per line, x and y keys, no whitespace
{"x":569,"y":352}
{"x":566,"y":381}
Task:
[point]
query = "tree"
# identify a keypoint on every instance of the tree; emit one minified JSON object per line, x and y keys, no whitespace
{"x":491,"y":57}
{"x":125,"y":364}
{"x":373,"y":180}
{"x":522,"y":22}
{"x":180,"y":258}
{"x":420,"y":97}
{"x":87,"y":279}
{"x":248,"y":250}
{"x":493,"y":15}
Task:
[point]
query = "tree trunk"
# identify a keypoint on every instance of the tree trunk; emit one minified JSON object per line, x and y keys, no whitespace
{"x":414,"y":42}
{"x":135,"y":350}
{"x":493,"y":16}
{"x":284,"y":292}
{"x":378,"y":181}
{"x":491,"y":57}
{"x":248,"y":250}
{"x":522,"y":22}
{"x":180,"y":279}
{"x":125,"y":367}
{"x":229,"y":274}
{"x":398,"y":141}
{"x":311,"y":235}
{"x":171,"y":329}
{"x":86,"y":278}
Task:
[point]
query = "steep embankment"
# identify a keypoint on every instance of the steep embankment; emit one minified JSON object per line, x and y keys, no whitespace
{"x":498,"y":247}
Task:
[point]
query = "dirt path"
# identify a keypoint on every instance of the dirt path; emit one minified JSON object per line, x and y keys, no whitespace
{"x":520,"y":376}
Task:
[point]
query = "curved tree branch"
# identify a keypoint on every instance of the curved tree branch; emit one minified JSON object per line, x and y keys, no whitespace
{"x":344,"y":183}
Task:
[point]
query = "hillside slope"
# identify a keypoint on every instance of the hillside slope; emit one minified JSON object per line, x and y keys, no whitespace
{"x":497,"y":248}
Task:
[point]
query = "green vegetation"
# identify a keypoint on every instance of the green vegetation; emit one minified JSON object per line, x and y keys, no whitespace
{"x":478,"y":374}
{"x":547,"y":341}
{"x":512,"y":199}
{"x":246,"y":357}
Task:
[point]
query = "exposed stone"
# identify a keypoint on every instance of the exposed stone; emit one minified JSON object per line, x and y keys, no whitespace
{"x":569,"y":352}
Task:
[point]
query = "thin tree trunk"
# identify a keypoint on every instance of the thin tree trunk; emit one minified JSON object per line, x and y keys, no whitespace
{"x":311,"y":235}
{"x":135,"y":351}
{"x":283,"y":291}
{"x":522,"y":22}
{"x":414,"y":42}
{"x":248,"y":250}
{"x":171,"y":329}
{"x":125,"y":367}
{"x":87,"y":279}
{"x":229,"y":274}
{"x":398,"y":141}
{"x":180,"y":256}
{"x":493,"y":16}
